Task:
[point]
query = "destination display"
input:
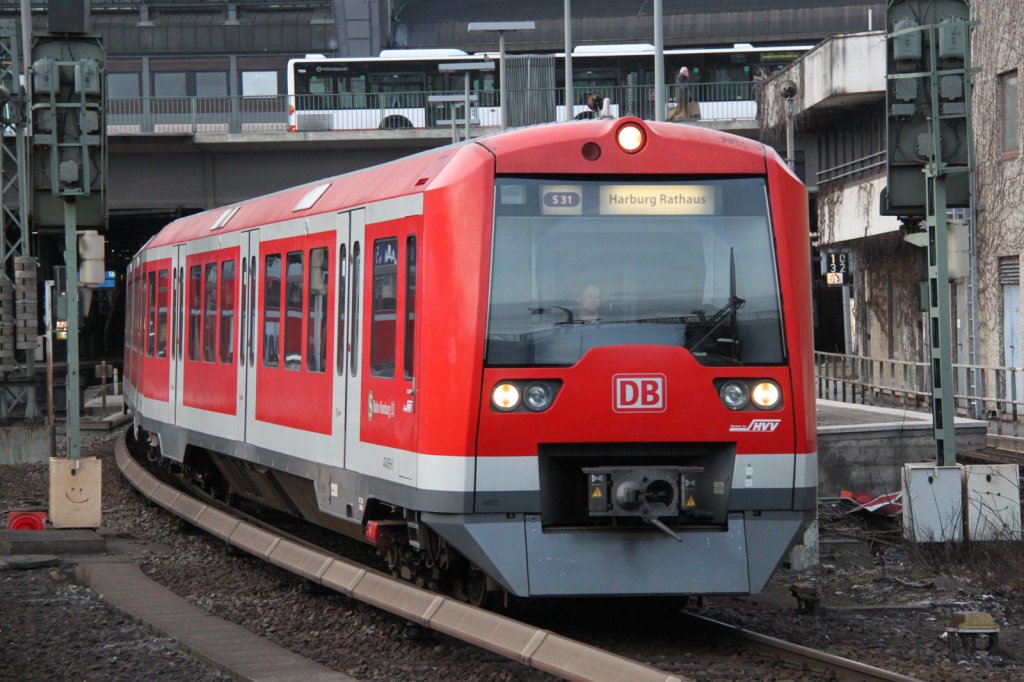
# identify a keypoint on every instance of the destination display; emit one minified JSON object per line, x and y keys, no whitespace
{"x":657,"y":200}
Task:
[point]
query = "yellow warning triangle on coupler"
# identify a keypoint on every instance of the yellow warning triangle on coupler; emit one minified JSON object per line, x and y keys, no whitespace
{"x":690,"y":502}
{"x":597,"y":493}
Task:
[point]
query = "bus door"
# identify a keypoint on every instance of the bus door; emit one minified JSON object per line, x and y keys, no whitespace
{"x":348,"y":402}
{"x":249,"y":248}
{"x":177,"y":322}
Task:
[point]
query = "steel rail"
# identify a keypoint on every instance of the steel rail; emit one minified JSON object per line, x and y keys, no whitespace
{"x":533,"y":647}
{"x":837,"y":666}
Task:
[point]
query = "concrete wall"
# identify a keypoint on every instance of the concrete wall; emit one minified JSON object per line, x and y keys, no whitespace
{"x":31,"y":444}
{"x":869,"y":457}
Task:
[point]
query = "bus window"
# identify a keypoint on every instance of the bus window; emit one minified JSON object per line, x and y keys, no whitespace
{"x":271,"y":309}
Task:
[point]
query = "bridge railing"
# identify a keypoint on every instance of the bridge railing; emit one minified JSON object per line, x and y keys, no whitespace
{"x":992,"y":393}
{"x":730,"y":101}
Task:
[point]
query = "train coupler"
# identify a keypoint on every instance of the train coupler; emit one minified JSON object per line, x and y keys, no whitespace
{"x":649,"y":492}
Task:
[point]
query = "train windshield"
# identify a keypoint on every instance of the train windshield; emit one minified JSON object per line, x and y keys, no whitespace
{"x":583,"y":263}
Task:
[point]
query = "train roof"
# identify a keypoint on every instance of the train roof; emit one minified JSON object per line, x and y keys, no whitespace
{"x":515,"y":152}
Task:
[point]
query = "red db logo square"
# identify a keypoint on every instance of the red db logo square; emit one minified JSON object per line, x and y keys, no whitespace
{"x":638,"y":392}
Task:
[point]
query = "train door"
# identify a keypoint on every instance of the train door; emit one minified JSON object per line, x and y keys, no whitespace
{"x":249,"y":248}
{"x":351,"y":226}
{"x":177,"y":319}
{"x":347,"y":394}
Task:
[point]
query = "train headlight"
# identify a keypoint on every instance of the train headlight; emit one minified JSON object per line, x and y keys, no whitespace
{"x":734,"y":394}
{"x":505,"y":397}
{"x":537,"y":397}
{"x":631,"y":138}
{"x":767,"y":395}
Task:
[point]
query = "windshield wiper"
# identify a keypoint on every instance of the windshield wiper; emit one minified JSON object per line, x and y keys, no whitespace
{"x":727,"y":312}
{"x":552,"y":308}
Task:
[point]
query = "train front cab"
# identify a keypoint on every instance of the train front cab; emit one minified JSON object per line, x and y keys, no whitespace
{"x":666,"y":443}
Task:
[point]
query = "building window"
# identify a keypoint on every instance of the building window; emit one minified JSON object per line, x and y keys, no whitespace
{"x":1009,"y":111}
{"x":211,"y":84}
{"x":122,"y":85}
{"x":259,"y":83}
{"x":169,"y":85}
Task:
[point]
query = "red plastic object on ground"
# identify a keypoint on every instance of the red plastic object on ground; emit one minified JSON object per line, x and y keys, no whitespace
{"x":26,"y":520}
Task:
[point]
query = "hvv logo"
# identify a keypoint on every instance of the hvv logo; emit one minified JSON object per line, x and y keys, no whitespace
{"x":639,"y":392}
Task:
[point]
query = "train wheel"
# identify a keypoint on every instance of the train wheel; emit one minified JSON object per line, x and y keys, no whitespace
{"x":476,"y":590}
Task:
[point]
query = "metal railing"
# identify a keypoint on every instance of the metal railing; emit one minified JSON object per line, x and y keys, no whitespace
{"x":394,"y":110}
{"x":997,"y":398}
{"x":871,"y":162}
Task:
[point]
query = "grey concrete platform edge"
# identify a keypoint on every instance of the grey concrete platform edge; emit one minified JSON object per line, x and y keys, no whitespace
{"x":220,"y":644}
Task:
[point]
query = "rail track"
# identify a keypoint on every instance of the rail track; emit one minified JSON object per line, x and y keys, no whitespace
{"x":832,"y":667}
{"x":532,"y":646}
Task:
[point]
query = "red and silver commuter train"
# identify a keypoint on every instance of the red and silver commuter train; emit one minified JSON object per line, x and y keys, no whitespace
{"x":572,"y":359}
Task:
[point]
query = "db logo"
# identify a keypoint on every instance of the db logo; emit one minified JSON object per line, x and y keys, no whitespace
{"x":639,"y":392}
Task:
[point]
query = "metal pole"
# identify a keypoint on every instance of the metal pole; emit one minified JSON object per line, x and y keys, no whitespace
{"x":659,"y":63}
{"x":49,"y":353}
{"x":26,"y":39}
{"x":466,"y":110}
{"x":501,"y":77}
{"x":570,"y":98}
{"x":790,"y":142}
{"x":71,"y":262}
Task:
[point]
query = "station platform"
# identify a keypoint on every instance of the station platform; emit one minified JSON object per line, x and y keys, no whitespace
{"x":864,"y":448}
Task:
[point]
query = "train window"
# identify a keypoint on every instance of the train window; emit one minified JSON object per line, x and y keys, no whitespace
{"x":340,"y":332}
{"x":174,"y":311}
{"x":674,"y":263}
{"x":252,"y":311}
{"x":244,"y":315}
{"x":180,"y":311}
{"x":210,"y":317}
{"x":293,"y":312}
{"x":353,"y":358}
{"x":271,"y":309}
{"x":151,"y":314}
{"x":161,"y":314}
{"x":317,"y":313}
{"x":410,"y":304}
{"x":384,"y":308}
{"x":227,"y":311}
{"x":195,"y":310}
